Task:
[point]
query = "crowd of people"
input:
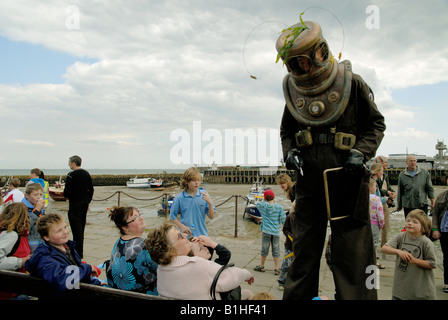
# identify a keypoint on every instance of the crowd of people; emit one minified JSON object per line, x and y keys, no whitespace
{"x":175,"y":260}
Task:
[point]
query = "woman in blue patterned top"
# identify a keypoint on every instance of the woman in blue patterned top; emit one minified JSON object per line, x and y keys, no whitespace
{"x":130,"y":266}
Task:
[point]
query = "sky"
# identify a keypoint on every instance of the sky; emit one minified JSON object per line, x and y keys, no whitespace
{"x":169,"y":84}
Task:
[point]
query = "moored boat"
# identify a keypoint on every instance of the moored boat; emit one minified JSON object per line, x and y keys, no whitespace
{"x":156,"y":183}
{"x":138,"y":182}
{"x":56,"y":191}
{"x":166,"y":205}
{"x":255,"y":195}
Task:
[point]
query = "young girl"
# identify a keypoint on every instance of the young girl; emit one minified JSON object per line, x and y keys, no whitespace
{"x":192,"y":204}
{"x":416,"y":257}
{"x":376,"y":215}
{"x":14,"y":247}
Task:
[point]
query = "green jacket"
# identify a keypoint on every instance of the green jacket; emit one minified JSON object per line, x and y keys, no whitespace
{"x":413,"y":191}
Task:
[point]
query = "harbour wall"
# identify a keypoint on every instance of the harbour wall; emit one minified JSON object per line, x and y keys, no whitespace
{"x":266,"y":176}
{"x":245,"y":176}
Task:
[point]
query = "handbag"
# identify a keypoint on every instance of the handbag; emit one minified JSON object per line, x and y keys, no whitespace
{"x":234,"y":294}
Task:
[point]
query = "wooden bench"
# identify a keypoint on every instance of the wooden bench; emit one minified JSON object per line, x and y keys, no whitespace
{"x":22,"y":283}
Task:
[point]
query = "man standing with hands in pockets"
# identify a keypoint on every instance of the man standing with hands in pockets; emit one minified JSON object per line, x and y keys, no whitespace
{"x":79,"y":192}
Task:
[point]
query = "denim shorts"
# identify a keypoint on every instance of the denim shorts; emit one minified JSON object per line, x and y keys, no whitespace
{"x":266,"y":241}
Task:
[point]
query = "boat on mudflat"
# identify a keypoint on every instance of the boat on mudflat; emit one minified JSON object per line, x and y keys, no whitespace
{"x":156,"y":183}
{"x":166,"y":205}
{"x":255,"y":196}
{"x":56,"y":191}
{"x":139,"y":183}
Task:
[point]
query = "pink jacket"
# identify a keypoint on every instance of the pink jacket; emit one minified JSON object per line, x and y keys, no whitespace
{"x":190,"y":278}
{"x":376,"y":211}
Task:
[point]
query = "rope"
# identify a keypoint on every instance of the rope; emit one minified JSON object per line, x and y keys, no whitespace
{"x":224,"y":202}
{"x":121,"y":192}
{"x":106,"y":198}
{"x":149,"y":199}
{"x":144,"y":199}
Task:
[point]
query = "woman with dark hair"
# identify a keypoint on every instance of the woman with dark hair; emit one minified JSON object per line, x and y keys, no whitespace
{"x":130,"y":266}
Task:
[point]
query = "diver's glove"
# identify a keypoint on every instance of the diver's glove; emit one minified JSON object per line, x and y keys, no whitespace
{"x":355,"y":163}
{"x":294,"y":161}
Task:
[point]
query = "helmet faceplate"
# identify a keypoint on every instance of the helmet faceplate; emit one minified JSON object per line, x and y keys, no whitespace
{"x":309,"y":59}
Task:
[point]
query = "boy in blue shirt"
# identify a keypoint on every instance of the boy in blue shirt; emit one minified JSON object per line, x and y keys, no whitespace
{"x":193,"y":205}
{"x":274,"y":217}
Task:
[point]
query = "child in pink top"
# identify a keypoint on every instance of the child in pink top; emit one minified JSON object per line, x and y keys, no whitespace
{"x":376,"y":214}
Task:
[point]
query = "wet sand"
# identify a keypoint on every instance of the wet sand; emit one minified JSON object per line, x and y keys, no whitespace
{"x":148,"y":202}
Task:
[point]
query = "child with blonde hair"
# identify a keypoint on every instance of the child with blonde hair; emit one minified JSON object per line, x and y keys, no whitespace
{"x":193,"y":204}
{"x":416,"y":259}
{"x":56,"y":260}
{"x":35,"y":202}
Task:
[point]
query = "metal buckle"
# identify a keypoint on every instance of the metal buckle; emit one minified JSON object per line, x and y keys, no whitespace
{"x":344,"y":141}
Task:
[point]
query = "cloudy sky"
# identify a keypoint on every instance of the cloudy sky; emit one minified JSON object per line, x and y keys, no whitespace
{"x":162,"y":84}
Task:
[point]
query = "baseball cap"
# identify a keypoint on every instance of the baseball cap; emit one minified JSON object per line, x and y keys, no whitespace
{"x":269,"y":195}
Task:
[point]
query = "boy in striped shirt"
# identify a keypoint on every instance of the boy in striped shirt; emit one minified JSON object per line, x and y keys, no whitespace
{"x":274,"y":217}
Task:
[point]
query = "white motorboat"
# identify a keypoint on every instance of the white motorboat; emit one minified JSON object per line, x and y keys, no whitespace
{"x":139,"y":183}
{"x":255,"y":195}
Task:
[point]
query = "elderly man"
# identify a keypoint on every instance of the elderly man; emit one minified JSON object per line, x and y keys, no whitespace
{"x":414,"y":186}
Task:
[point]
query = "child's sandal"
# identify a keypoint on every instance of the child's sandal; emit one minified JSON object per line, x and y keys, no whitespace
{"x":259,"y":268}
{"x":276,"y":272}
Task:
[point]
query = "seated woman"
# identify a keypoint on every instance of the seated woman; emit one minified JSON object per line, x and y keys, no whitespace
{"x":185,"y":277}
{"x":131,"y":267}
{"x":14,"y":247}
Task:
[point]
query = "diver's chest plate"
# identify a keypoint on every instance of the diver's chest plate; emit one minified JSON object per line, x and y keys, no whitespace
{"x":323,"y":108}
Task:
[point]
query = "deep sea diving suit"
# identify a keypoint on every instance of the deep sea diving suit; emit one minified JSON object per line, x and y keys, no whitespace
{"x":330,"y":120}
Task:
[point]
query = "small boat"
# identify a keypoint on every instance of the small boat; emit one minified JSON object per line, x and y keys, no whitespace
{"x":138,"y":182}
{"x":56,"y":192}
{"x":169,"y":203}
{"x":255,"y":195}
{"x":156,"y":183}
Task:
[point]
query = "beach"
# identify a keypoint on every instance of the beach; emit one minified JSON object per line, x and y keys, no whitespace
{"x":101,"y":233}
